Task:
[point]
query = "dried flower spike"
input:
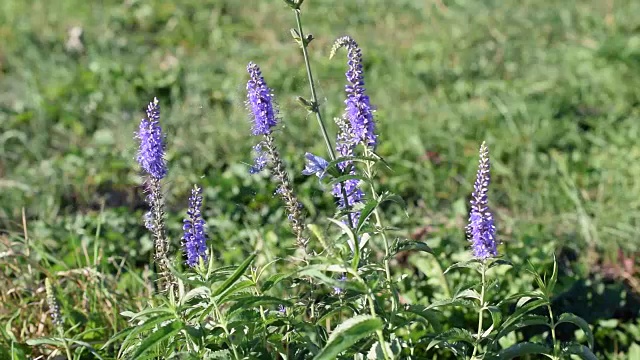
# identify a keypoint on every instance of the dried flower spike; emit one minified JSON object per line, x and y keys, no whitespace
{"x":481,"y":230}
{"x":52,"y":302}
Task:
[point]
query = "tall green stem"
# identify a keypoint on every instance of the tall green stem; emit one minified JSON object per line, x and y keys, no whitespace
{"x":553,"y":330}
{"x":316,"y":110}
{"x":314,"y":97}
{"x":483,"y":271}
{"x":223,"y":325}
{"x":378,"y":221}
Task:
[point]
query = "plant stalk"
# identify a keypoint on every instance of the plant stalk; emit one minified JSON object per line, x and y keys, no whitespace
{"x":315,"y":109}
{"x":483,"y":271}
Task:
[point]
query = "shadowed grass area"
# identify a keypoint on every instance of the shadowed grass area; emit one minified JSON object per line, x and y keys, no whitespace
{"x":552,"y":86}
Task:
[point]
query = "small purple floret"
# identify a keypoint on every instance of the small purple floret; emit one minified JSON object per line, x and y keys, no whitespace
{"x":315,"y":165}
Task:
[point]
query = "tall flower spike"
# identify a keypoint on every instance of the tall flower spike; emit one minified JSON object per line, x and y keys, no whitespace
{"x":152,"y":147}
{"x":151,"y":158}
{"x":260,"y":101}
{"x":481,"y":230}
{"x":358,"y":108}
{"x":195,"y":237}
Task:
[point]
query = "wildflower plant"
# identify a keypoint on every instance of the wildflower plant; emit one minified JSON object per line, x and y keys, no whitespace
{"x":343,"y":299}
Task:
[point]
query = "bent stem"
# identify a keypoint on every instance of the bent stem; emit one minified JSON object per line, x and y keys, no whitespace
{"x":483,"y":271}
{"x":315,"y":109}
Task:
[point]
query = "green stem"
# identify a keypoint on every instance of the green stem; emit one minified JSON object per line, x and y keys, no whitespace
{"x":482,"y":306}
{"x":378,"y":221}
{"x":314,"y":96}
{"x":315,"y":109}
{"x":553,"y":330}
{"x":66,"y":343}
{"x":223,"y":324}
{"x":381,"y":340}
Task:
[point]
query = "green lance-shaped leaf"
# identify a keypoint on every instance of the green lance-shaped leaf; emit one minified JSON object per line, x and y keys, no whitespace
{"x":524,"y":321}
{"x":235,"y":276}
{"x":431,"y":316}
{"x":522,"y":349}
{"x":409,"y":245}
{"x":582,"y":351}
{"x":131,"y":337}
{"x":347,"y":334}
{"x":452,"y":336}
{"x":273,"y":280}
{"x":59,"y":342}
{"x":372,"y":204}
{"x":579,"y":322}
{"x":156,"y":337}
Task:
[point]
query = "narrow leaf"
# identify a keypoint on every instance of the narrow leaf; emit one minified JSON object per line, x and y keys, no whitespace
{"x":522,"y":349}
{"x":347,"y":334}
{"x":156,"y":337}
{"x":582,"y":351}
{"x":579,"y":322}
{"x":410,"y":245}
{"x":452,"y":336}
{"x":235,"y":276}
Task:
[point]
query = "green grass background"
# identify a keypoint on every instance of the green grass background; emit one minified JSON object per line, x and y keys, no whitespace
{"x":552,"y":86}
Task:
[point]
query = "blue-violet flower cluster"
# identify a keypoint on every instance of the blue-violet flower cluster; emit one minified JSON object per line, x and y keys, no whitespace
{"x":260,"y":101}
{"x":195,"y":237}
{"x":481,"y":230}
{"x":152,"y":148}
{"x":359,"y":111}
{"x":358,"y":126}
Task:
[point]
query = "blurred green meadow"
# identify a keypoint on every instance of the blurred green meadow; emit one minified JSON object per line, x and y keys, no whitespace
{"x":553,"y":87}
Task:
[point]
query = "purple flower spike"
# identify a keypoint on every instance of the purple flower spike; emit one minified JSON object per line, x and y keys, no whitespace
{"x":315,"y":165}
{"x":359,"y":110}
{"x":345,"y":144}
{"x":152,"y":147}
{"x":481,"y":230}
{"x":195,"y":238}
{"x":260,"y":102}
